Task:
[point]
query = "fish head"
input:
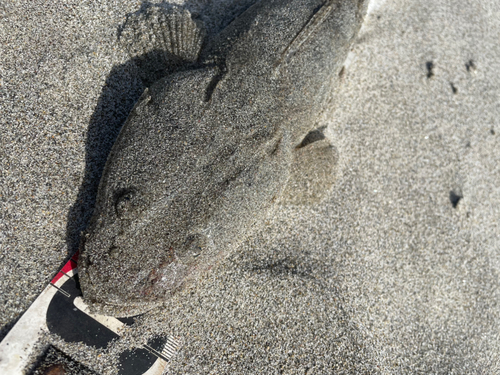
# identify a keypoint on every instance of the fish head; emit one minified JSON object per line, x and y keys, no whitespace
{"x":133,"y":253}
{"x":150,"y":234}
{"x":148,"y":231}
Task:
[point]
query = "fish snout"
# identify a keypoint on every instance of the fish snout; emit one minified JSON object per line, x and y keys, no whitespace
{"x":84,"y":261}
{"x":85,"y":276}
{"x":91,"y":261}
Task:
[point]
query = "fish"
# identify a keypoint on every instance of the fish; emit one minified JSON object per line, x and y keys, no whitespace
{"x":223,"y":134}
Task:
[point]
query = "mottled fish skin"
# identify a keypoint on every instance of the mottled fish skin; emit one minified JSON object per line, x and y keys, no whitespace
{"x":206,"y":151}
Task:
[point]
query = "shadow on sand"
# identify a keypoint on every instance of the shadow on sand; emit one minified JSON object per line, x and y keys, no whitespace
{"x":122,"y":89}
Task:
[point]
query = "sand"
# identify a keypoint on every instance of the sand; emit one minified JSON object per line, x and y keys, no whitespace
{"x":391,"y":274}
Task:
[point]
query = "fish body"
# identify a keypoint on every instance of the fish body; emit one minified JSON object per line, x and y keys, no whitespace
{"x":208,"y":150}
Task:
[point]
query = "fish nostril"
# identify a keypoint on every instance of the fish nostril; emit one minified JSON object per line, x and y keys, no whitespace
{"x":86,"y":261}
{"x":113,"y":252}
{"x":84,"y":264}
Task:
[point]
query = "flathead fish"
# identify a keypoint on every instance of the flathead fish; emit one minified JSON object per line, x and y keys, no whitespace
{"x":221,"y":136}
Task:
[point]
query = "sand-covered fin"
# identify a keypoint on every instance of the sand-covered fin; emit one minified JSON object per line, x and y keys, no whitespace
{"x":307,"y":31}
{"x":161,"y":38}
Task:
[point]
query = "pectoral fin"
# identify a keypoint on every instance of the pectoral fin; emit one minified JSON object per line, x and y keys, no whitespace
{"x":160,"y":39}
{"x":313,"y":171}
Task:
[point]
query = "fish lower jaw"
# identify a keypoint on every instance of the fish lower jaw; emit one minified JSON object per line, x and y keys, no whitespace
{"x":105,"y":302}
{"x":120,"y":310}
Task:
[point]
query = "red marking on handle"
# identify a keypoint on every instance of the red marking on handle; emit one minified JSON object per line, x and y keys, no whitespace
{"x":70,"y":265}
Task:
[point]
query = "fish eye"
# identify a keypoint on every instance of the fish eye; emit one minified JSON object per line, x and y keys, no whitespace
{"x":125,"y":202}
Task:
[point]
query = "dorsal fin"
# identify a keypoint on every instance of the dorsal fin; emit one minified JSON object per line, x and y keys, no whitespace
{"x":161,"y":39}
{"x":305,"y":33}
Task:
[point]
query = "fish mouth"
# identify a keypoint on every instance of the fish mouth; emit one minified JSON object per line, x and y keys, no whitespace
{"x":113,"y":285}
{"x":119,"y":310}
{"x":108,"y":299}
{"x":111,"y":296}
{"x":104,"y":301}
